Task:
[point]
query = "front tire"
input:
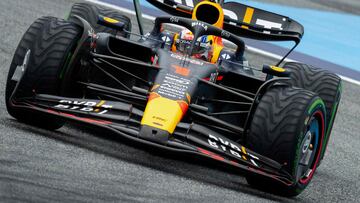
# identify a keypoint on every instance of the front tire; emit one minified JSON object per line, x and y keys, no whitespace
{"x":289,"y":127}
{"x":326,"y":84}
{"x":51,"y":42}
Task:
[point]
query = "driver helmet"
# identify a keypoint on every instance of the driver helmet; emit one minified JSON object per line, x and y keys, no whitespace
{"x":201,"y":50}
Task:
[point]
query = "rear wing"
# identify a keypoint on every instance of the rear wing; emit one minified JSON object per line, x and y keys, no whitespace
{"x":243,"y":20}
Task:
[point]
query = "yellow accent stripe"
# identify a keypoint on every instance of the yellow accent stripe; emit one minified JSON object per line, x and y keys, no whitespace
{"x":243,"y":150}
{"x":248,"y":16}
{"x":154,"y":87}
{"x":188,"y":97}
{"x":110,"y":20}
{"x":102,"y":102}
{"x":173,"y":47}
{"x":277,"y":69}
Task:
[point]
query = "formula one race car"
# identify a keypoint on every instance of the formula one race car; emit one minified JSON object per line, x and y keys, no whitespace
{"x":183,"y":91}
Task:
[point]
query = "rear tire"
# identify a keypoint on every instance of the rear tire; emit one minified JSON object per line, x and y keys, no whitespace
{"x":326,"y":84}
{"x":90,"y":13}
{"x":51,"y":42}
{"x":288,"y":126}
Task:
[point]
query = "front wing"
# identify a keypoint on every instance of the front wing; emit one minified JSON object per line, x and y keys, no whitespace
{"x":124,"y":119}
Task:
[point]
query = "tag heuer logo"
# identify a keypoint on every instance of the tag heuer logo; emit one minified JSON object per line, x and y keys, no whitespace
{"x":200,"y":24}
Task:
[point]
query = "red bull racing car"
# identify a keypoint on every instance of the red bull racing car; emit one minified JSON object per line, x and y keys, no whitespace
{"x":184,"y":91}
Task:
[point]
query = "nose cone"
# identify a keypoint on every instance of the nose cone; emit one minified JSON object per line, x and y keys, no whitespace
{"x":163,"y":113}
{"x":154,"y":134}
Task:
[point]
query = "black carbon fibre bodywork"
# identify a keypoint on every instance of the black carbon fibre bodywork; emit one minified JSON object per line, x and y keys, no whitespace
{"x":219,"y":111}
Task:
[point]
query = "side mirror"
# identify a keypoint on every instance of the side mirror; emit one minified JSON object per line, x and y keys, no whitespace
{"x":275,"y":71}
{"x":111,"y":23}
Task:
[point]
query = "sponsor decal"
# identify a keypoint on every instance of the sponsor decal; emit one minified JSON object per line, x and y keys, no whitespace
{"x":232,"y":148}
{"x":165,"y":38}
{"x":85,"y":106}
{"x":181,"y":70}
{"x":268,"y":24}
{"x":190,"y":60}
{"x":226,"y":56}
{"x":225,"y":34}
{"x":174,"y":87}
{"x":198,"y":23}
{"x":174,"y":19}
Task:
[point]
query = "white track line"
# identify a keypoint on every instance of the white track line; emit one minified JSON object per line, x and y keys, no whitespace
{"x":253,"y":49}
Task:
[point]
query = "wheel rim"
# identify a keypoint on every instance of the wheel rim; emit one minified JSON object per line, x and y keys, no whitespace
{"x":310,"y":148}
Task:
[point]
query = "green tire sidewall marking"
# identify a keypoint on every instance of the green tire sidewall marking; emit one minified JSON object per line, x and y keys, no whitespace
{"x":315,"y":104}
{"x":332,"y":118}
{"x":318,"y":102}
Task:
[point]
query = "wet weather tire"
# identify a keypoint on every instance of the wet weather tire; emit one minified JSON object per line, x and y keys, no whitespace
{"x":288,"y":127}
{"x":326,"y":84}
{"x":50,"y":42}
{"x":90,"y":13}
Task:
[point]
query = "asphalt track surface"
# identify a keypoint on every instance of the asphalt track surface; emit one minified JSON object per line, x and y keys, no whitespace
{"x":77,"y":164}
